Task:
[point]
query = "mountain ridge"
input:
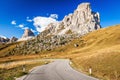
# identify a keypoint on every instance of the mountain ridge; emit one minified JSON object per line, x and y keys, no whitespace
{"x":97,"y":49}
{"x":4,"y":39}
{"x":82,"y":21}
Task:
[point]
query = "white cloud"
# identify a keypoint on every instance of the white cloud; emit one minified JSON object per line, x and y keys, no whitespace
{"x":25,"y":28}
{"x":21,"y":25}
{"x":33,"y":30}
{"x":54,"y":16}
{"x":13,"y":22}
{"x":28,"y":19}
{"x":42,"y":22}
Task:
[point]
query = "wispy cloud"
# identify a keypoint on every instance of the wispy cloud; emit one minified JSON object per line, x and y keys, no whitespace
{"x":25,"y":28}
{"x":13,"y":22}
{"x":28,"y":19}
{"x":54,"y":16}
{"x":21,"y":25}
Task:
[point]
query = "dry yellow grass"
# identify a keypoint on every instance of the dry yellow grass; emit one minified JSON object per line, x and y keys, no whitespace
{"x":5,"y":48}
{"x":11,"y":73}
{"x":99,"y":50}
{"x":18,"y":58}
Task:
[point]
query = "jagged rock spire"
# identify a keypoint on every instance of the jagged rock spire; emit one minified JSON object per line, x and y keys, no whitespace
{"x":28,"y":33}
{"x":82,"y":21}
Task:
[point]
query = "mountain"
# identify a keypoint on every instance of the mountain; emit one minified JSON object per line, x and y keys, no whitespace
{"x":4,"y":39}
{"x":82,"y":21}
{"x":75,"y":25}
{"x":98,"y":50}
{"x":77,"y":37}
{"x":13,"y":39}
{"x":28,"y":34}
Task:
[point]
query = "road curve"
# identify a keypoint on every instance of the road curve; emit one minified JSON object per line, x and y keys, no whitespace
{"x":57,"y":70}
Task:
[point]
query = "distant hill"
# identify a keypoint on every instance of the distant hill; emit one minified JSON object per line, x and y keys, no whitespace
{"x":4,"y":39}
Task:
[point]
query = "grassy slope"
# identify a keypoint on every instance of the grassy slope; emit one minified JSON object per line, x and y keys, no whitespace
{"x":5,"y":48}
{"x":99,"y":50}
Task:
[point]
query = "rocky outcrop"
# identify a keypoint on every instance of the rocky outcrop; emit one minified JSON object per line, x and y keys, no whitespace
{"x":28,"y":34}
{"x":13,"y":39}
{"x":4,"y":39}
{"x":41,"y":44}
{"x":82,"y":21}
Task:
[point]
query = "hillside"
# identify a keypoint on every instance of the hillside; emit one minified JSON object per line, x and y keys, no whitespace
{"x":82,"y":21}
{"x":99,"y":50}
{"x":5,"y":48}
{"x":77,"y":38}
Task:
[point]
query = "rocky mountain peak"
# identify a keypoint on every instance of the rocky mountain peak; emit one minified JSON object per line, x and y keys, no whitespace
{"x":82,"y":21}
{"x":28,"y":33}
{"x":3,"y":39}
{"x":83,"y":6}
{"x":13,"y":39}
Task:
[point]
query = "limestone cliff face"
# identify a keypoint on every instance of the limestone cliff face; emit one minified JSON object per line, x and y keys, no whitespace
{"x":13,"y":39}
{"x":82,"y":21}
{"x":28,"y":34}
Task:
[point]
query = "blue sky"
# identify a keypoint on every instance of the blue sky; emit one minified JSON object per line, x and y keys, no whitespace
{"x":21,"y":12}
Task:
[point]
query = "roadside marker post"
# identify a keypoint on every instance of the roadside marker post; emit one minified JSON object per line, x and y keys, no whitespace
{"x":23,"y":67}
{"x":90,"y":71}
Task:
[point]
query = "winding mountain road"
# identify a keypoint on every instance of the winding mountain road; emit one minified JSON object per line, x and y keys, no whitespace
{"x":57,"y":70}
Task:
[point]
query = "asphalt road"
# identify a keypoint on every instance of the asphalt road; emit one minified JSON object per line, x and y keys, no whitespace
{"x":58,"y":70}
